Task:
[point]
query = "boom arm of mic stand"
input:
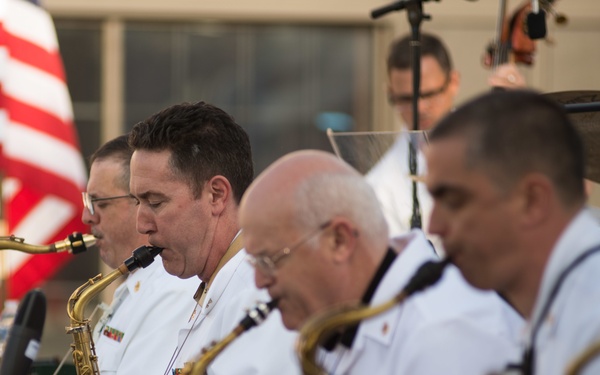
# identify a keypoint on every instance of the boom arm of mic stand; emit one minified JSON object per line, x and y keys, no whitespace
{"x":582,"y":107}
{"x":398,"y":5}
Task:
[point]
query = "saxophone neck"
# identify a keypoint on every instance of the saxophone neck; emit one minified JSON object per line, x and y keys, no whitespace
{"x":84,"y":294}
{"x":254,"y":317}
{"x":83,"y":350}
{"x":76,"y":243}
{"x":141,"y":257}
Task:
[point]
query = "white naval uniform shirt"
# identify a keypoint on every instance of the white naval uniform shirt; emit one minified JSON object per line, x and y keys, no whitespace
{"x":573,"y":321}
{"x":148,"y":308}
{"x":390,"y":180}
{"x":267,"y":349}
{"x":393,"y":187}
{"x":450,"y":328}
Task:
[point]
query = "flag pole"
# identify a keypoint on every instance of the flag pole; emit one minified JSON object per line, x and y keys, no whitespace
{"x":3,"y":263}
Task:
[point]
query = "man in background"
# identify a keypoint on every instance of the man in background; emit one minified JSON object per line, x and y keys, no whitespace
{"x":147,"y":308}
{"x":440,"y":84}
{"x":190,"y":166}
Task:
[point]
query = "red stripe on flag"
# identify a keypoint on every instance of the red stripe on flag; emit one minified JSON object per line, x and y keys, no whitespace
{"x":44,"y":182}
{"x":34,"y":55}
{"x":39,"y":268}
{"x":36,"y":183}
{"x":35,"y":270}
{"x":20,"y":205}
{"x":35,"y":118}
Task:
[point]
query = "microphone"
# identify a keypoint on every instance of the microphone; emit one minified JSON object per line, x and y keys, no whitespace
{"x":536,"y":21}
{"x":24,"y":337}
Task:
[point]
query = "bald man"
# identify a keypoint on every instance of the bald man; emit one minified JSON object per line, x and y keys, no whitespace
{"x":317,"y":238}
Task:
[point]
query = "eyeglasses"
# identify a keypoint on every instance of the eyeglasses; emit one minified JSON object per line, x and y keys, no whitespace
{"x":88,"y":201}
{"x":267,"y":264}
{"x":406,"y":99}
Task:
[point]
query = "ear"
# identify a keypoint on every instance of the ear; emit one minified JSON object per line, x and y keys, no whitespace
{"x":345,"y":239}
{"x":589,"y":187}
{"x":454,"y":84}
{"x":538,"y":197}
{"x":219,"y":193}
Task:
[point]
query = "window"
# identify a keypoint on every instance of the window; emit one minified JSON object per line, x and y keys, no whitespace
{"x":277,"y":81}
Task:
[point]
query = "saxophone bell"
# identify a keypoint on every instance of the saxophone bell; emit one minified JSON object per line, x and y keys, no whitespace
{"x":253,"y":318}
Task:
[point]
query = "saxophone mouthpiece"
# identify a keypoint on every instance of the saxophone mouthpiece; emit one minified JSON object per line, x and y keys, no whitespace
{"x":258,"y":314}
{"x":76,"y":243}
{"x":428,"y":274}
{"x":142,"y":257}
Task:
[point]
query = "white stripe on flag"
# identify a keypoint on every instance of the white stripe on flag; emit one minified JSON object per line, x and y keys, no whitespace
{"x":36,"y":228}
{"x":31,"y":85}
{"x":10,"y":187}
{"x":28,"y":21}
{"x":51,"y":154}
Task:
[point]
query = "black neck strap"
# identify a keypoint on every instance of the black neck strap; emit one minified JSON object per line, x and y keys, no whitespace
{"x":528,"y":365}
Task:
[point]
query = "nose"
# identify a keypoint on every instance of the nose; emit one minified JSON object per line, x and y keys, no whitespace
{"x":144,"y":222}
{"x":423,"y":105}
{"x":438,"y":224}
{"x":261,"y":279}
{"x":89,"y":219}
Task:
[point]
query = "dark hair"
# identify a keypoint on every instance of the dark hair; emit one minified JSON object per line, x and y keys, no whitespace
{"x":117,"y":148}
{"x":204,"y":141}
{"x":400,"y":55}
{"x":512,"y":133}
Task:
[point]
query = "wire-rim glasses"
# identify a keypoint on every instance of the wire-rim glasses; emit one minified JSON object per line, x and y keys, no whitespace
{"x":267,"y":264}
{"x":88,"y":201}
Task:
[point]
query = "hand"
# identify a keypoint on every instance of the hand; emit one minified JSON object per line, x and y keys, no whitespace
{"x":507,"y":76}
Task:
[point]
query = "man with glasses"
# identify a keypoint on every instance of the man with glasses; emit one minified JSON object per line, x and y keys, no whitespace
{"x":190,"y":166}
{"x":440,"y":84}
{"x":148,"y":307}
{"x":318,"y":240}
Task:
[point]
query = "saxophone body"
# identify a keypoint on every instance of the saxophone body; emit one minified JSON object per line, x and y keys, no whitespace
{"x":83,"y":349}
{"x":254,"y":317}
{"x":579,"y":363}
{"x":322,"y":326}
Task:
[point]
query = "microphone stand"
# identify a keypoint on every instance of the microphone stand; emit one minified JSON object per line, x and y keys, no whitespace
{"x":414,"y":9}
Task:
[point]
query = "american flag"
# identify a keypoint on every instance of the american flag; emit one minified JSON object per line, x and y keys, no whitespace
{"x":43,"y":171}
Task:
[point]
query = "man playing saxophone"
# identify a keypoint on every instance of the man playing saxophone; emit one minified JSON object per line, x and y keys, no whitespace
{"x":147,"y":308}
{"x":506,"y":173}
{"x":190,"y":166}
{"x":318,"y":240}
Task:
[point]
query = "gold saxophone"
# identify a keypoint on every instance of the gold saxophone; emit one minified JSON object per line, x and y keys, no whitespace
{"x":76,"y":243}
{"x":322,"y":326}
{"x":84,"y":352}
{"x":583,"y":359}
{"x":254,"y":317}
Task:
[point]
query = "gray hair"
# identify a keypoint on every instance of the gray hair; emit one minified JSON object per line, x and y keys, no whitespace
{"x":324,"y":196}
